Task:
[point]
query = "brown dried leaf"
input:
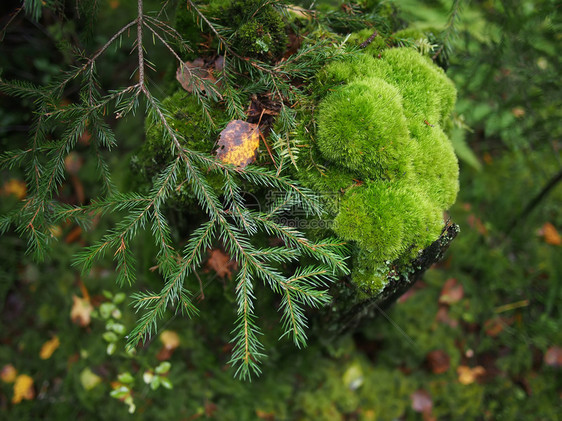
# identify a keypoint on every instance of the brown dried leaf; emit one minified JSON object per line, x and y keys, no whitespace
{"x":553,"y":356}
{"x":442,"y":316}
{"x":221,"y":263}
{"x":468,"y":375}
{"x":493,"y":327}
{"x":421,"y":401}
{"x":189,"y":73}
{"x":452,"y":292}
{"x":23,"y":389}
{"x":438,"y":361}
{"x":238,"y":143}
{"x":49,"y":347}
{"x":81,"y":311}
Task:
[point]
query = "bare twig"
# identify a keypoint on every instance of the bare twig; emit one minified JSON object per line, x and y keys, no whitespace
{"x":139,"y":42}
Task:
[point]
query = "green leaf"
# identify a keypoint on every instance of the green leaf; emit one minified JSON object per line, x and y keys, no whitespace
{"x":88,"y":379}
{"x":125,"y":377}
{"x":166,"y":383}
{"x":163,"y":367}
{"x":120,"y":392}
{"x":110,"y":337}
{"x":106,"y":309}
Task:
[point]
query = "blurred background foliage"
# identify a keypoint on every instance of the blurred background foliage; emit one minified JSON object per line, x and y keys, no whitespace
{"x":477,"y":338}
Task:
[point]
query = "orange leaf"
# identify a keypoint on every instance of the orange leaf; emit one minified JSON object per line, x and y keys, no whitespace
{"x":8,"y":373}
{"x":81,"y":311}
{"x":238,"y":143}
{"x":550,"y":234}
{"x":23,"y":388}
{"x":468,"y":375}
{"x":49,"y":347}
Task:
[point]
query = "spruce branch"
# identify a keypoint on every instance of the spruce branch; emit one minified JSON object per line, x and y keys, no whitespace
{"x":229,"y":222}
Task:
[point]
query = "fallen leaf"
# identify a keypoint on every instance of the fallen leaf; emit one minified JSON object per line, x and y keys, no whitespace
{"x":171,"y":341}
{"x":73,"y":163}
{"x":518,"y":111}
{"x":550,"y":234}
{"x":81,"y":311}
{"x":8,"y":373}
{"x":493,"y":327}
{"x":14,"y":187}
{"x":262,"y":415}
{"x":73,"y":235}
{"x":89,"y":379}
{"x":189,"y":75}
{"x":421,"y":401}
{"x":210,"y":409}
{"x":221,"y":264}
{"x":442,"y":316}
{"x":476,"y":223}
{"x":23,"y":388}
{"x":238,"y":143}
{"x":487,"y":158}
{"x":452,"y":292}
{"x":553,"y":356}
{"x":85,"y":137}
{"x":438,"y":361}
{"x":468,"y":375}
{"x":353,"y":377}
{"x":49,"y":347}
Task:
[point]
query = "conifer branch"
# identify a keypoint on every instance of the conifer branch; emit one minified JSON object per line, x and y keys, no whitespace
{"x":229,"y":221}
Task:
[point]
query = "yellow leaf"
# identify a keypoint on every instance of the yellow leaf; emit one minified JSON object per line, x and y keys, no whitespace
{"x":81,"y":310}
{"x":48,"y":348}
{"x":467,"y":375}
{"x":170,"y":339}
{"x":23,"y":388}
{"x":8,"y":373}
{"x":238,"y":143}
{"x":15,"y":187}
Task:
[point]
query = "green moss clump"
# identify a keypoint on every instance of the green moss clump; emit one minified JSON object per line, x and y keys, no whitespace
{"x":428,"y":94}
{"x":362,"y":127}
{"x":380,"y":117}
{"x":436,"y":166}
